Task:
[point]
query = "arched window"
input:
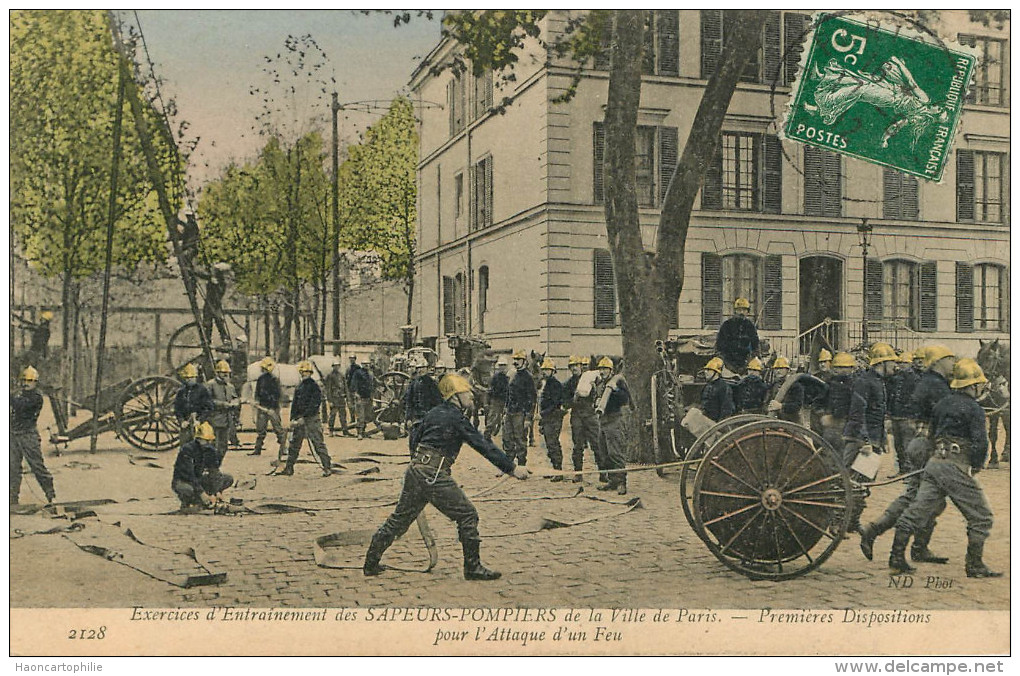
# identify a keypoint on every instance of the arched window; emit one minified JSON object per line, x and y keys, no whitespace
{"x":982,"y":297}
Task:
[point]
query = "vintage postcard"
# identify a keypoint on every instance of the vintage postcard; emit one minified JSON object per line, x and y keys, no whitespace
{"x":510,"y":332}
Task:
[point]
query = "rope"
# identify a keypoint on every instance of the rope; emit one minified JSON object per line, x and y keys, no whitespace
{"x":899,"y":477}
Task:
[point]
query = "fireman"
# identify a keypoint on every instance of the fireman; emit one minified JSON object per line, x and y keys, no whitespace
{"x":837,"y":400}
{"x":192,"y":403}
{"x":224,"y":402}
{"x":824,"y":364}
{"x":901,"y":408}
{"x":613,"y":396}
{"x":267,"y":407}
{"x":25,"y":441}
{"x":584,"y":425}
{"x":422,"y":394}
{"x":435,"y":445}
{"x":550,"y":410}
{"x":519,"y":405}
{"x":499,"y":388}
{"x":737,"y":340}
{"x":305,"y":421}
{"x":749,"y":394}
{"x":717,"y":395}
{"x":336,"y":398}
{"x":197,"y":478}
{"x":958,"y":428}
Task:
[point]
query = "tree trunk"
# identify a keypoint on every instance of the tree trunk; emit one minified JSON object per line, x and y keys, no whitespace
{"x":640,"y":323}
{"x":648,"y":287}
{"x":267,"y":326}
{"x":671,"y":239}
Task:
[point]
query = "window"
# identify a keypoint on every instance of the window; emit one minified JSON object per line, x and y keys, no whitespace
{"x":902,"y":293}
{"x":899,"y":292}
{"x":979,"y":186}
{"x":726,"y":278}
{"x":655,"y":158}
{"x":483,"y":93}
{"x":454,"y":305}
{"x":456,"y":103}
{"x":745,"y":175}
{"x":604,"y":290}
{"x":483,"y":296}
{"x":458,"y":195}
{"x":823,"y":183}
{"x":766,"y":63}
{"x":661,"y":48}
{"x":795,"y":29}
{"x":899,"y":193}
{"x":987,"y":85}
{"x":481,"y":194}
{"x":981,"y":302}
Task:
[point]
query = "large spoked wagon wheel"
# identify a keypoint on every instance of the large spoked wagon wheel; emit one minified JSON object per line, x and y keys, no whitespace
{"x":772,"y":500}
{"x":697,"y":452}
{"x":145,"y":414}
{"x":388,"y":398}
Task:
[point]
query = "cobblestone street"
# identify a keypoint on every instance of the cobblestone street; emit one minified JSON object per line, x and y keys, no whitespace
{"x":648,"y":557}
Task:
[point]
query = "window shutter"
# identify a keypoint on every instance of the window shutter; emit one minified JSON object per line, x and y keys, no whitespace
{"x":488,"y":193}
{"x":598,"y":157}
{"x":899,"y":195}
{"x":462,"y":305}
{"x":668,"y":25}
{"x":964,"y":298}
{"x":773,"y":163}
{"x":832,"y":194}
{"x":473,"y":176}
{"x":908,"y":197}
{"x":711,"y":41}
{"x":711,"y":290}
{"x":772,"y":313}
{"x":964,"y":185}
{"x":648,"y":49}
{"x":711,"y":193}
{"x":605,"y":290}
{"x":668,"y":157}
{"x":449,"y":307}
{"x":873,"y":291}
{"x":812,"y":182}
{"x":793,"y":33}
{"x":450,"y":107}
{"x":605,"y":38}
{"x":773,"y":52}
{"x":929,"y":320}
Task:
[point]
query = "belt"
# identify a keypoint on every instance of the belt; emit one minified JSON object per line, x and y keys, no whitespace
{"x":426,"y":456}
{"x":955,"y":450}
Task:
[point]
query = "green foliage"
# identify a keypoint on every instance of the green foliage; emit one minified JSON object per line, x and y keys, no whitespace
{"x":245,"y":217}
{"x":378,"y":191}
{"x":63,"y":87}
{"x":492,"y":38}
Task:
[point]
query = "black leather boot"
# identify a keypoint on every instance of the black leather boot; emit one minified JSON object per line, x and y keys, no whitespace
{"x":288,"y":469}
{"x":975,"y":566}
{"x":898,"y":555}
{"x":919,"y":552}
{"x":871,"y":531}
{"x":374,"y":555}
{"x":473,"y":568}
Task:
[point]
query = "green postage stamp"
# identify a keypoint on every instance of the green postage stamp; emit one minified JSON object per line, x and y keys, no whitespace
{"x":892,"y":97}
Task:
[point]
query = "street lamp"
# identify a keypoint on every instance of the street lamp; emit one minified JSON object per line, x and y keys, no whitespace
{"x":864,"y":235}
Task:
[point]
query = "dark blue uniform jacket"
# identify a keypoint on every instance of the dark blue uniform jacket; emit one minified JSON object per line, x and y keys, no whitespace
{"x":499,"y":386}
{"x":618,"y":398}
{"x":521,"y":398}
{"x":421,"y":395}
{"x":737,"y":339}
{"x":837,"y":402}
{"x":307,"y":400}
{"x":960,"y":416}
{"x":193,"y":459}
{"x":267,"y":391}
{"x":901,"y":393}
{"x":362,"y":382}
{"x":193,"y":399}
{"x":445,"y":428}
{"x":717,"y":400}
{"x":552,"y":396}
{"x":25,"y":410}
{"x":931,"y":389}
{"x":866,"y":420}
{"x":749,"y":394}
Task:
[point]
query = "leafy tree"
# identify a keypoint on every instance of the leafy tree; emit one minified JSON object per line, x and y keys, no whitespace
{"x":379,"y":194}
{"x":648,"y":282}
{"x":63,"y":88}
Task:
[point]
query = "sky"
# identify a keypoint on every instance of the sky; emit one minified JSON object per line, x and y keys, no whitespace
{"x":210,"y":59}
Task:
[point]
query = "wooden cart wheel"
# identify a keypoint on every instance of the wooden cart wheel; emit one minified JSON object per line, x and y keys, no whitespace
{"x":145,"y":414}
{"x":388,"y":398}
{"x":772,"y":500}
{"x":697,"y":451}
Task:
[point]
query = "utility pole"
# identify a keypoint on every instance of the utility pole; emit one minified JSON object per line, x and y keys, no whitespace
{"x":335,"y":107}
{"x":111,"y":220}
